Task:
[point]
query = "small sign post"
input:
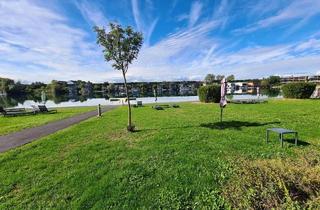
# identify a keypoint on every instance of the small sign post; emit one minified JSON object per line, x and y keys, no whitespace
{"x":99,"y":110}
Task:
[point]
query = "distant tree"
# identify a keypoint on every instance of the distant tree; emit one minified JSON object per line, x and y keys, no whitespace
{"x":230,"y":77}
{"x":209,"y":79}
{"x":274,"y":80}
{"x":121,"y":46}
{"x":109,"y":89}
{"x":219,"y":77}
{"x":143,"y":89}
{"x":58,"y":87}
{"x":6,"y":84}
{"x":97,"y":87}
{"x":17,"y":89}
{"x":270,"y":81}
{"x":36,"y":88}
{"x":265,"y":83}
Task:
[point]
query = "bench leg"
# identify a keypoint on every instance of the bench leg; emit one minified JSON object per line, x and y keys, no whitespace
{"x":281,"y":138}
{"x":296,"y":139}
{"x":267,"y":136}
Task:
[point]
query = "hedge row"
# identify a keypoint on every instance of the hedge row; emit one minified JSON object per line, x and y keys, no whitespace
{"x":298,"y":90}
{"x":209,"y":93}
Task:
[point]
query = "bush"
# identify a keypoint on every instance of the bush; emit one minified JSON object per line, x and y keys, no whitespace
{"x":298,"y":90}
{"x":209,"y":93}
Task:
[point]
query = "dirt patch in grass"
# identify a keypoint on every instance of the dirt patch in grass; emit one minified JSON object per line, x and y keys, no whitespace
{"x":276,"y":183}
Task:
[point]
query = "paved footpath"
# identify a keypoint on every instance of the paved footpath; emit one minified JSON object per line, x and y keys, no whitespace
{"x":30,"y":134}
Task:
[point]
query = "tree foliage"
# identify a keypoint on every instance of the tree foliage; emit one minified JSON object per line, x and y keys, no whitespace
{"x":274,"y":80}
{"x":219,"y":77}
{"x":121,"y":45}
{"x":58,"y":87}
{"x":270,"y":81}
{"x":209,"y":79}
{"x":230,"y":77}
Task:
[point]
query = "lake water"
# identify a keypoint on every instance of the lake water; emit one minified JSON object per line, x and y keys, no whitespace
{"x":102,"y":101}
{"x":26,"y":103}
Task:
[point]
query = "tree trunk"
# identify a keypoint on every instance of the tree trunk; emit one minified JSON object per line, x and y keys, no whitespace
{"x":129,"y":127}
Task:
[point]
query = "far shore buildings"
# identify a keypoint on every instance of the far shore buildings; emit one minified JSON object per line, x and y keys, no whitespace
{"x":297,"y":78}
{"x":172,"y":88}
{"x":242,"y":87}
{"x":175,"y":88}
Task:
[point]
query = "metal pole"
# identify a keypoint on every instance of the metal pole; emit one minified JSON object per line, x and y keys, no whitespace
{"x":99,"y":110}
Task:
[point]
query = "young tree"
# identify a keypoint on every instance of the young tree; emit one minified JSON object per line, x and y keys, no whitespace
{"x":121,"y":46}
{"x":209,"y":79}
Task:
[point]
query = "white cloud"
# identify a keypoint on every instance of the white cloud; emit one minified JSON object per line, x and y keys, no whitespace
{"x":311,"y":44}
{"x":259,"y":61}
{"x":92,"y":14}
{"x":195,"y":13}
{"x":142,"y":24}
{"x":182,"y":17}
{"x":221,"y":13}
{"x":169,"y":58}
{"x":191,"y":54}
{"x":263,"y":7}
{"x":37,"y":41}
{"x":297,"y":10}
{"x":185,"y":41}
{"x":136,"y":14}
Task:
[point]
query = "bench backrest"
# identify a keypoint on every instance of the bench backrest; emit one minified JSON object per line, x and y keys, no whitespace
{"x":43,"y":108}
{"x":15,"y":110}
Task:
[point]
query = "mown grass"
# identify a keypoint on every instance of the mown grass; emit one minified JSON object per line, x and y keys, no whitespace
{"x":13,"y":124}
{"x":179,"y":158}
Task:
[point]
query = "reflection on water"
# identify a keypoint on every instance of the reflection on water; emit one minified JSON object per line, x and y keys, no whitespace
{"x":67,"y":101}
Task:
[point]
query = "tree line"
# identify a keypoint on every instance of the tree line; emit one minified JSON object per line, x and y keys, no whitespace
{"x":12,"y":88}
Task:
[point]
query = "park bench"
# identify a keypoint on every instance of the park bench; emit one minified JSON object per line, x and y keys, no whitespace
{"x":44,"y":109}
{"x":15,"y":112}
{"x":281,"y":132}
{"x":139,"y":103}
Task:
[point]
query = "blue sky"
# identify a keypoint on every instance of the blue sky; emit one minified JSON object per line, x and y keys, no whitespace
{"x":183,"y":39}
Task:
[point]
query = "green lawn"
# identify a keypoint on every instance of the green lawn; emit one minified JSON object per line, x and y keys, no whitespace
{"x":178,"y":159}
{"x":12,"y":124}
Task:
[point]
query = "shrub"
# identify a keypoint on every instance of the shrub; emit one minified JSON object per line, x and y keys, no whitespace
{"x":209,"y":93}
{"x":298,"y":90}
